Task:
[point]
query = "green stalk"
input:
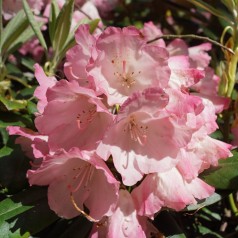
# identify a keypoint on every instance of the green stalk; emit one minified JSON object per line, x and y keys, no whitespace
{"x":233,"y":205}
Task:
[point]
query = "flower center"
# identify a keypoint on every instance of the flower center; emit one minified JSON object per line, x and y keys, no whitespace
{"x":125,"y":77}
{"x":86,"y":116}
{"x":137,"y":132}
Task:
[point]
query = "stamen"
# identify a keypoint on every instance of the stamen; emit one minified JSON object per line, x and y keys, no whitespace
{"x":137,"y":132}
{"x":125,"y":76}
{"x":85,"y":117}
{"x":85,"y":173}
{"x":81,"y":211}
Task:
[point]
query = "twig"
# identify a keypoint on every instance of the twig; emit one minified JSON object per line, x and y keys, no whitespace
{"x":193,"y":37}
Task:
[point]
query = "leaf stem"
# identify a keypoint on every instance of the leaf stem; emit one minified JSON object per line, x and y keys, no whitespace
{"x":233,"y":205}
{"x":204,"y":38}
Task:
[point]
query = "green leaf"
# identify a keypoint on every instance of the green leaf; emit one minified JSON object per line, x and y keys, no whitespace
{"x":6,"y":232}
{"x":93,"y":24}
{"x":54,"y":12}
{"x":34,"y":24}
{"x":4,"y":135}
{"x":206,"y":202}
{"x":5,"y":151}
{"x":13,"y":30}
{"x":225,"y":176}
{"x":26,"y":212}
{"x":63,"y":24}
{"x":28,"y":62}
{"x":12,"y":118}
{"x":31,"y":107}
{"x":13,"y":104}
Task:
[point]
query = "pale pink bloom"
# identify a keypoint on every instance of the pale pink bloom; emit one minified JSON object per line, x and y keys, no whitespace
{"x":32,"y":143}
{"x":126,"y":64}
{"x":80,"y":177}
{"x":199,"y":55}
{"x":151,"y":31}
{"x":208,"y":88}
{"x":11,"y":7}
{"x":44,"y":83}
{"x":124,"y":222}
{"x":79,"y":56}
{"x":73,"y":117}
{"x":200,"y":154}
{"x":146,"y":137}
{"x":168,"y":189}
{"x":88,"y":11}
{"x":182,"y":74}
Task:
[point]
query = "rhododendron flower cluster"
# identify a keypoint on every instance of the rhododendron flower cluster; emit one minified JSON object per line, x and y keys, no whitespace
{"x":127,"y":132}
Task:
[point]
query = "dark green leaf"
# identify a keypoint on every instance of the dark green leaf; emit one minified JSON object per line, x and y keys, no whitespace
{"x":225,"y":176}
{"x":11,"y":118}
{"x":34,"y":24}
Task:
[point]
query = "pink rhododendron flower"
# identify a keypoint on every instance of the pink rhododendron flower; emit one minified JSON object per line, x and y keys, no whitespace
{"x":124,"y":222}
{"x":182,"y":74}
{"x":150,"y":31}
{"x":126,"y":64}
{"x":71,"y":115}
{"x":77,"y":177}
{"x":201,"y":153}
{"x":168,"y":189}
{"x":44,"y":83}
{"x":33,"y":144}
{"x":208,"y":88}
{"x":79,"y":56}
{"x":150,"y":135}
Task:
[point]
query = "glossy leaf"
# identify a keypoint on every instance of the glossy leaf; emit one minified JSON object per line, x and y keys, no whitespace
{"x":34,"y":24}
{"x":225,"y":176}
{"x":21,"y":212}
